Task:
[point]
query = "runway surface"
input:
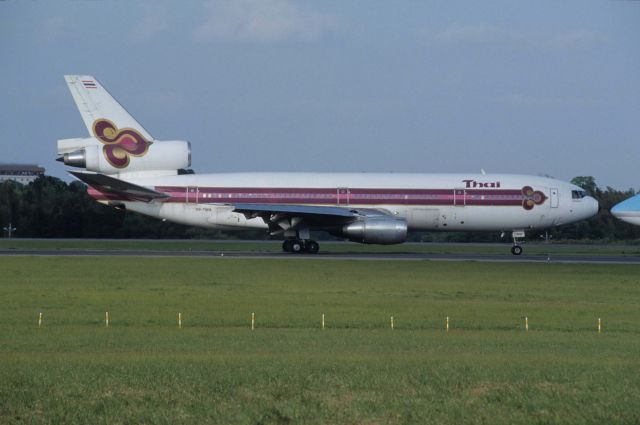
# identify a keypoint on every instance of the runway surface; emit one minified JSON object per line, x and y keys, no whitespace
{"x":492,"y":258}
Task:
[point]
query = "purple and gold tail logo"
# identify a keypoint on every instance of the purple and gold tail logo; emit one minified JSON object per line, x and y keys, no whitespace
{"x":119,"y":144}
{"x":531,"y":198}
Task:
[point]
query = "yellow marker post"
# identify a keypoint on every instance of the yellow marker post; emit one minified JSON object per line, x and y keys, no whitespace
{"x":40,"y":319}
{"x":253,"y":321}
{"x":106,"y":319}
{"x":599,"y":325}
{"x":179,"y":320}
{"x":391,"y":322}
{"x":323,"y":321}
{"x":526,"y":323}
{"x":446,"y":325}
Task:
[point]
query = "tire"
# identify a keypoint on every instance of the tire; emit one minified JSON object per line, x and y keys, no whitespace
{"x":286,"y":245}
{"x":312,"y":247}
{"x":516,"y":250}
{"x":297,"y":247}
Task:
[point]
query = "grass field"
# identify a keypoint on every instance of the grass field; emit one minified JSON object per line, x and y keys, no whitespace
{"x":486,"y":369}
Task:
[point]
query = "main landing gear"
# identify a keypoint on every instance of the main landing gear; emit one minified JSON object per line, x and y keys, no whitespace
{"x":299,"y":246}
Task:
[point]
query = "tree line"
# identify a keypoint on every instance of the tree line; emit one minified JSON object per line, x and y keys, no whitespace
{"x":52,"y":208}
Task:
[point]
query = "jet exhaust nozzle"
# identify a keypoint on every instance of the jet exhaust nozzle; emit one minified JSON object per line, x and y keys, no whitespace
{"x":74,"y":159}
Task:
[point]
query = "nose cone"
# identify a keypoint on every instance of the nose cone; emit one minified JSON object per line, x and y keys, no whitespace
{"x":593,"y":207}
{"x":628,"y":210}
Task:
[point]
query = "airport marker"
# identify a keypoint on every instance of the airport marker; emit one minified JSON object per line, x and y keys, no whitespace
{"x":40,"y":319}
{"x":599,"y":325}
{"x":391,"y":322}
{"x":526,"y":323}
{"x":253,"y":321}
{"x":322,"y":320}
{"x":179,"y":320}
{"x":446,"y":325}
{"x":106,"y":319}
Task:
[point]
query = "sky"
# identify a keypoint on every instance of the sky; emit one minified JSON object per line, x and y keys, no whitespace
{"x":543,"y":88}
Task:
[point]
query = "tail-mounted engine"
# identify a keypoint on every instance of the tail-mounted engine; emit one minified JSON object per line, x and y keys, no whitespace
{"x":125,"y":155}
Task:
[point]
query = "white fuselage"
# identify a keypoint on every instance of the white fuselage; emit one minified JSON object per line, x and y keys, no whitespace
{"x":446,"y":202}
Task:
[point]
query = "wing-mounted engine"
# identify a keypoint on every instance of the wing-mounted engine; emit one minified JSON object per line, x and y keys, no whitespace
{"x":127,"y":154}
{"x":364,"y":225}
{"x":384,"y":230}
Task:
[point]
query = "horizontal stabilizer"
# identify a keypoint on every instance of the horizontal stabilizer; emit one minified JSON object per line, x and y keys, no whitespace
{"x":120,"y":188}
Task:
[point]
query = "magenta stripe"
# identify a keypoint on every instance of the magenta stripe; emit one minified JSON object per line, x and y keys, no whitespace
{"x":329,"y":196}
{"x":334,"y":190}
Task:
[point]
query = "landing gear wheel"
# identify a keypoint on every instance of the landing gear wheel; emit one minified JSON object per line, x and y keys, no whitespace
{"x":516,"y":250}
{"x":312,"y":247}
{"x":296,"y":246}
{"x":286,"y":245}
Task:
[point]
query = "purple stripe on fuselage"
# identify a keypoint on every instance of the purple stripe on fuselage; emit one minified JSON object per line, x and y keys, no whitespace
{"x":335,"y":196}
{"x":333,"y":191}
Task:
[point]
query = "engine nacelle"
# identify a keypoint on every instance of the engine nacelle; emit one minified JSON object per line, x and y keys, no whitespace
{"x":110,"y":159}
{"x":382,"y":230}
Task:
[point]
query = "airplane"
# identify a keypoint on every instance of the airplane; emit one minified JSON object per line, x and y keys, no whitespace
{"x":628,"y":210}
{"x":125,"y":167}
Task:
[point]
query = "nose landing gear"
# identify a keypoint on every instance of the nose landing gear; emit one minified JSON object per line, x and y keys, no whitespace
{"x":516,"y":249}
{"x":299,"y":246}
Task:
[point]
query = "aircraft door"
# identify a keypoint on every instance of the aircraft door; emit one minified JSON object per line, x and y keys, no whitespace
{"x":459,"y":197}
{"x":342,"y":196}
{"x":553,"y":199}
{"x":192,"y":194}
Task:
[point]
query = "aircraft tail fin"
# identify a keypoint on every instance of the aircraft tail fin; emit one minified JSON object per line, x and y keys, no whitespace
{"x":94,"y":102}
{"x":118,"y":144}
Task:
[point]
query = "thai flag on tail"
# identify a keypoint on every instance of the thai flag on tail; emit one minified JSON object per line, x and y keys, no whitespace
{"x":89,"y":84}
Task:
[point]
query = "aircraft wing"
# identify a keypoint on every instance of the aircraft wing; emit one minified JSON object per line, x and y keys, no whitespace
{"x":121,"y":188}
{"x":282,"y":218}
{"x":295,"y":210}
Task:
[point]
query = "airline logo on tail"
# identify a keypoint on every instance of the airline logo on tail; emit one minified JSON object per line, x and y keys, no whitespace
{"x":119,"y":144}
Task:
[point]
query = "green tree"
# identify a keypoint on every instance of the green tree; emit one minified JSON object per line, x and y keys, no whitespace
{"x":588,"y":183}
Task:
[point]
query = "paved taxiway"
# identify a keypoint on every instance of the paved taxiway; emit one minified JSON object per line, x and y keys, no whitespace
{"x":491,"y":258}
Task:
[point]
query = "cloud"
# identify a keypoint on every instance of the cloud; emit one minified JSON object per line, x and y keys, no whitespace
{"x":489,"y":34}
{"x":456,"y":33}
{"x":261,"y":21}
{"x":154,"y":21}
{"x":54,"y":27}
{"x":576,"y":39}
{"x":542,"y":101}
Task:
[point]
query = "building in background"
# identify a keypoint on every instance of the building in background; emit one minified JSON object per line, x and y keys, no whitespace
{"x":21,"y":173}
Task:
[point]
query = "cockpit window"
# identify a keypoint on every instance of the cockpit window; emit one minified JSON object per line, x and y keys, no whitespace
{"x":578,"y":194}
